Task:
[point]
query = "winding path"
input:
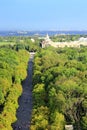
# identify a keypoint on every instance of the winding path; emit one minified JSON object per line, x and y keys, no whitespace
{"x":25,"y":101}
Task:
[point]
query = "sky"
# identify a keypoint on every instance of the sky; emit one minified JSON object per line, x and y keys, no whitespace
{"x":43,"y":15}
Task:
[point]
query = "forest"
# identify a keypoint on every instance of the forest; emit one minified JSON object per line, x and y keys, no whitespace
{"x":13,"y":67}
{"x":14,"y":57}
{"x":59,"y":84}
{"x":60,"y":89}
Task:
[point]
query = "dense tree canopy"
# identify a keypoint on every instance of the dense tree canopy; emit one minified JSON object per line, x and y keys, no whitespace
{"x":14,"y":56}
{"x":13,"y":66}
{"x":60,"y":87}
{"x":59,"y":83}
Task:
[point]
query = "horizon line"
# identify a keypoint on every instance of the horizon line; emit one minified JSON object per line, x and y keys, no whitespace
{"x":22,"y":30}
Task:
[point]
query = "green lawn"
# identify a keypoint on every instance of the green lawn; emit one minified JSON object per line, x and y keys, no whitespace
{"x":6,"y":43}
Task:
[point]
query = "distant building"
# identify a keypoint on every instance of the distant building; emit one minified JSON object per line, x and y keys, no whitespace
{"x":82,"y":39}
{"x":69,"y":127}
{"x":46,"y":42}
{"x":32,"y":40}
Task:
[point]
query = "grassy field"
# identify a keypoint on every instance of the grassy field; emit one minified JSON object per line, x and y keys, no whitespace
{"x":6,"y":43}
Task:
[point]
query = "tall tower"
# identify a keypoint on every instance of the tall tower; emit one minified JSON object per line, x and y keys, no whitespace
{"x":47,"y":39}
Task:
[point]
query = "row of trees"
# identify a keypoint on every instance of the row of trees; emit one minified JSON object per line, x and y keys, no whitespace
{"x":65,"y":38}
{"x":13,"y":66}
{"x":14,"y":56}
{"x":60,"y":89}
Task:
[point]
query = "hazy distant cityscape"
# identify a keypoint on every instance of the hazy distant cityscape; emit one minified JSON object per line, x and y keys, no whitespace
{"x":40,"y":33}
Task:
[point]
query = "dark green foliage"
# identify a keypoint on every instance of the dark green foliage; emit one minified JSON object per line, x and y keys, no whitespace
{"x":13,"y":66}
{"x":60,"y":76}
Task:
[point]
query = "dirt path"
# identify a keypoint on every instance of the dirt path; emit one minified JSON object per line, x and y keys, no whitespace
{"x":25,"y":101}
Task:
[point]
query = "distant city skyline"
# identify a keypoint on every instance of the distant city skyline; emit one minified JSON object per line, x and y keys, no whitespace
{"x":43,"y":15}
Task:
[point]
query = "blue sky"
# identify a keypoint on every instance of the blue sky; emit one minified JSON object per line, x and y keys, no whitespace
{"x":43,"y":14}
